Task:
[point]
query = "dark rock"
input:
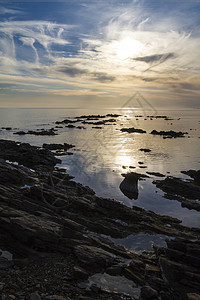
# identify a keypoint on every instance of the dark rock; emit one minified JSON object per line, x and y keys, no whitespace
{"x":132,"y":130}
{"x":80,"y":273}
{"x":186,"y":192}
{"x":94,"y":258}
{"x":113,"y":115}
{"x":176,"y":186}
{"x":169,"y":134}
{"x":103,"y":122}
{"x":129,"y":186}
{"x":181,"y":265}
{"x":20,"y":132}
{"x":29,"y":156}
{"x":35,"y":296}
{"x":42,"y":132}
{"x":5,"y":263}
{"x":157,"y":117}
{"x":193,"y":174}
{"x":67,"y":121}
{"x":145,"y":149}
{"x":147,"y":293}
{"x":6,"y":128}
{"x":91,"y":117}
{"x":64,"y":146}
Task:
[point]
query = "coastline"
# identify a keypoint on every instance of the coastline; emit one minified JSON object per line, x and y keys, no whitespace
{"x":45,"y":216}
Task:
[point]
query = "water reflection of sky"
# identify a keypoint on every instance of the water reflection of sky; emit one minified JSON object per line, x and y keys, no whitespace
{"x":102,"y":155}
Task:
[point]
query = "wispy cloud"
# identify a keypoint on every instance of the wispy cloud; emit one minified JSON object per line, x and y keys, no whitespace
{"x":156,"y":58}
{"x":129,"y":46}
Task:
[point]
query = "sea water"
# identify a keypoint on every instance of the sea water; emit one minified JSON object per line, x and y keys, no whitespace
{"x":102,"y":155}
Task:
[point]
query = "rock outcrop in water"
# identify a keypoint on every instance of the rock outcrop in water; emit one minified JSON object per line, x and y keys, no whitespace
{"x":129,"y":186}
{"x":132,"y":130}
{"x":61,"y":232}
{"x":37,"y":132}
{"x":169,"y":134}
{"x":186,"y":192}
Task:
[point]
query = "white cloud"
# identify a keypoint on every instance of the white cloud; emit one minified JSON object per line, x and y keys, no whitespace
{"x":119,"y":49}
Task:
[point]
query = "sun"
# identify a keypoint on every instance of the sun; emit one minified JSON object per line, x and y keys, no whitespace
{"x":127,"y":48}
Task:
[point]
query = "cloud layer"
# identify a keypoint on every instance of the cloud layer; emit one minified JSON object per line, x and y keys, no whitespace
{"x":129,"y":47}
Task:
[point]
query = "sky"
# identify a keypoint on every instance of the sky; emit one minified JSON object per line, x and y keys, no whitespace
{"x":72,"y":53}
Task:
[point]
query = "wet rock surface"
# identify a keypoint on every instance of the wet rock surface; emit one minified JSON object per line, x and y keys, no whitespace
{"x":29,"y":156}
{"x":59,"y":232}
{"x":185,"y":191}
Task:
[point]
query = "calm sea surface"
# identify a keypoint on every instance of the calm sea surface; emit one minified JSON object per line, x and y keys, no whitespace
{"x":102,"y":155}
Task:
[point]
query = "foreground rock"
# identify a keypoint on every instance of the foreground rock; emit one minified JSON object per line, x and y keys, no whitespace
{"x":61,"y":232}
{"x":29,"y":156}
{"x":186,"y":192}
{"x":181,"y":266}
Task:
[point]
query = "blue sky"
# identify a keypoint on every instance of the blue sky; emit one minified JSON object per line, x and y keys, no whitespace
{"x":61,"y":53}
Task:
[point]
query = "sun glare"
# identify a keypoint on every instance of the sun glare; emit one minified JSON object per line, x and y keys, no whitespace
{"x":128,"y":47}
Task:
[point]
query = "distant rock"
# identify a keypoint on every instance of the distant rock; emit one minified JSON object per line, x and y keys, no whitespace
{"x":37,"y":132}
{"x":64,"y":146}
{"x":132,"y":130}
{"x":6,"y":128}
{"x":66,"y":121}
{"x":169,"y":134}
{"x":145,"y":149}
{"x":102,"y":122}
{"x":20,"y":132}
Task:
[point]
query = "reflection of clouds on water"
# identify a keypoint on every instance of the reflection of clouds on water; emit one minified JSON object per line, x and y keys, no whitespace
{"x":142,"y":241}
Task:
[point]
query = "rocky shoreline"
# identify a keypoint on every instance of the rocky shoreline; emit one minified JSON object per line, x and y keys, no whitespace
{"x":60,"y":234}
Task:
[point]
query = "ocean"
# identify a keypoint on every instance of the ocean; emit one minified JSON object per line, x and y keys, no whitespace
{"x":101,"y":156}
